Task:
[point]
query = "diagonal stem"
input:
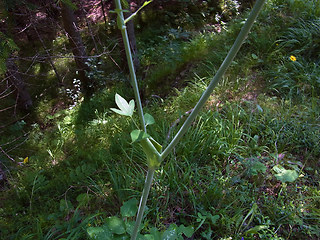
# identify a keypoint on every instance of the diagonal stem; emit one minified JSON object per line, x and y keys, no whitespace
{"x":224,"y":66}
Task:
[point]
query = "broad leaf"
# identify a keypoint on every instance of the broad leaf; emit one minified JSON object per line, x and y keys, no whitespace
{"x":126,"y":108}
{"x":65,"y":205}
{"x":171,"y":233}
{"x":129,"y":208}
{"x":119,"y":112}
{"x":148,"y":119}
{"x":138,"y":135}
{"x":131,"y":106}
{"x":100,"y":233}
{"x":285,"y":175}
{"x":121,"y":103}
{"x":260,"y":109}
{"x":116,"y":225}
{"x":121,"y":237}
{"x":83,"y":198}
{"x":154,"y":235}
{"x":130,"y":226}
{"x":188,"y":231}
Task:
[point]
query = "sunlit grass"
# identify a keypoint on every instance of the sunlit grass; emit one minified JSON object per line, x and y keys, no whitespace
{"x":265,"y":112}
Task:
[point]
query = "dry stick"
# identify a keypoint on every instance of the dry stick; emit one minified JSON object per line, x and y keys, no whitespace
{"x":91,"y":34}
{"x":1,"y":149}
{"x":176,"y":122}
{"x":104,"y":14}
{"x":4,"y":126}
{"x":6,"y":95}
{"x":14,"y":140}
{"x":48,"y":54}
{"x":4,"y":79}
{"x":5,"y":109}
{"x":18,"y":145}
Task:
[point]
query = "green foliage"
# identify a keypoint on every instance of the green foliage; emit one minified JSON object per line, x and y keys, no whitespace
{"x":126,"y":108}
{"x":248,"y":167}
{"x":7,"y":46}
{"x":285,"y":175}
{"x":121,"y":228}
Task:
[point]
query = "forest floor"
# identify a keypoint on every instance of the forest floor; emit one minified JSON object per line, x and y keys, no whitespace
{"x":248,"y":168}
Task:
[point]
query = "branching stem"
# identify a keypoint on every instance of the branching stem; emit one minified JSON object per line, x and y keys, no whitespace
{"x":224,"y":66}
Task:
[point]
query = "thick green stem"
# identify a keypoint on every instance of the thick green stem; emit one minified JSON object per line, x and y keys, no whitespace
{"x":126,"y":43}
{"x":143,"y":201}
{"x":226,"y":63}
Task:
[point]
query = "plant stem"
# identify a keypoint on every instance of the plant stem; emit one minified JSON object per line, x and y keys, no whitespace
{"x":126,"y":44}
{"x":224,"y":66}
{"x":143,"y":201}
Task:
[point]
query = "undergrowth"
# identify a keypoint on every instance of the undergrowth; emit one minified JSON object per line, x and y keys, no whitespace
{"x":223,"y":179}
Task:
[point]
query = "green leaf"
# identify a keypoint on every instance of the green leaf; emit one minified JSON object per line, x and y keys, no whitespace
{"x":3,"y":66}
{"x":135,"y":13}
{"x":254,"y":56}
{"x":126,"y":108}
{"x":131,"y":106}
{"x":116,"y":225}
{"x":146,"y":3}
{"x":256,"y":168}
{"x":120,"y":237}
{"x":130,"y":226}
{"x":188,"y":231}
{"x":154,"y":234}
{"x":285,"y":175}
{"x":83,"y":198}
{"x":138,"y":135}
{"x":171,"y":233}
{"x":119,"y":112}
{"x":129,"y":208}
{"x":256,"y":229}
{"x":100,"y":233}
{"x":149,"y":120}
{"x":65,"y":205}
{"x":214,"y":218}
{"x":121,"y":103}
